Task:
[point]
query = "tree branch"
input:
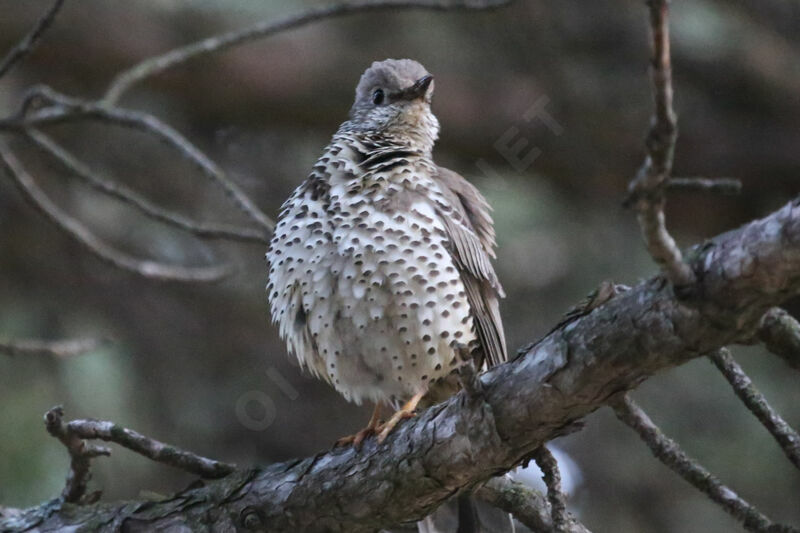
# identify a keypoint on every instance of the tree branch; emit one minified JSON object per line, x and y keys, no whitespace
{"x":218,"y":43}
{"x":143,"y":205}
{"x":75,"y":433}
{"x":780,"y":333}
{"x":525,"y":504}
{"x":459,"y":444}
{"x":149,"y":269}
{"x":668,"y":452}
{"x":787,"y":438}
{"x":61,"y":349}
{"x":150,"y":448}
{"x":728,"y":186}
{"x":64,"y":108}
{"x":26,"y":45}
{"x":552,"y":480}
{"x":80,"y":453}
{"x":646,"y":190}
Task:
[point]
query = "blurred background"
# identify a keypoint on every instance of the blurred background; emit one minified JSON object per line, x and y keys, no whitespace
{"x":200,"y":366}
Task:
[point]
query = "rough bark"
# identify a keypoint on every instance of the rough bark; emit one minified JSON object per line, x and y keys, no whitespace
{"x":452,"y":446}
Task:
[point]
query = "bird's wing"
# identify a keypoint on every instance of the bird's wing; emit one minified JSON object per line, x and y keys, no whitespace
{"x":471,"y":233}
{"x":290,"y":304}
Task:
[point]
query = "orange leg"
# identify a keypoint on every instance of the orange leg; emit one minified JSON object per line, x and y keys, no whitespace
{"x":407,"y":411}
{"x":371,"y":429}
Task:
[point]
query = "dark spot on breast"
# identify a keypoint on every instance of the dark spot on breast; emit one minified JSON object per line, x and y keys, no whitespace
{"x":300,"y":318}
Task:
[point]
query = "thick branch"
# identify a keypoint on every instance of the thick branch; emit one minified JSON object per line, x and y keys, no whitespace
{"x":461,"y":443}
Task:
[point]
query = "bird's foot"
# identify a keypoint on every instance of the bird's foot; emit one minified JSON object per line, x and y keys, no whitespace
{"x":358,"y":438}
{"x":407,"y":411}
{"x":371,"y":429}
{"x":389,"y":425}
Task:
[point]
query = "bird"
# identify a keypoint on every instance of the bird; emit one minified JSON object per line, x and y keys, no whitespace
{"x":381,"y":280}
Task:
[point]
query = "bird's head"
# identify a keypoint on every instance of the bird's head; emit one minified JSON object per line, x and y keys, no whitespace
{"x":393,"y":97}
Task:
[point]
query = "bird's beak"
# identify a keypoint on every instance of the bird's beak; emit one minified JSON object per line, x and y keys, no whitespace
{"x":418,"y":90}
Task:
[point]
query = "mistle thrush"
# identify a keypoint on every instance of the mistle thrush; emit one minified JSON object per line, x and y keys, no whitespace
{"x":380,"y":274}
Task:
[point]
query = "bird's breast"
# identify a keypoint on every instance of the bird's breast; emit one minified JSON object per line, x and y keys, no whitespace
{"x":383,"y":309}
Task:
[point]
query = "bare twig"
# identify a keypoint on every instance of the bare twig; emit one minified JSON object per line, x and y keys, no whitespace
{"x":728,"y":186}
{"x":527,"y":505}
{"x":669,"y":452}
{"x":28,"y":43}
{"x":154,"y":65}
{"x":150,"y":448}
{"x":73,"y":435}
{"x":91,"y":242}
{"x":645,"y":192}
{"x":67,"y":108}
{"x":552,"y":479}
{"x":80,"y":452}
{"x":787,"y":438}
{"x":145,"y":206}
{"x":780,"y":333}
{"x":60,"y":348}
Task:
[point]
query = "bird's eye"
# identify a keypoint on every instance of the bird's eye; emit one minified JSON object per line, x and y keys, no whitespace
{"x":377,"y":97}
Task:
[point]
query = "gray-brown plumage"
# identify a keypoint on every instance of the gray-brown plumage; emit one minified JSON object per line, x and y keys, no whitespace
{"x":380,"y":275}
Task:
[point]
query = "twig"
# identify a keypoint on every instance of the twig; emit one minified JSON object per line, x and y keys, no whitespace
{"x":145,"y":206}
{"x":552,"y":479}
{"x":80,"y":452}
{"x":70,"y":109}
{"x":668,"y":452}
{"x":527,"y":505}
{"x":150,"y":448}
{"x":95,"y":245}
{"x":645,"y":192}
{"x":787,"y":438}
{"x":780,"y":333}
{"x":28,"y":43}
{"x":61,"y":348}
{"x":154,"y":65}
{"x":729,"y":186}
{"x":74,"y":433}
